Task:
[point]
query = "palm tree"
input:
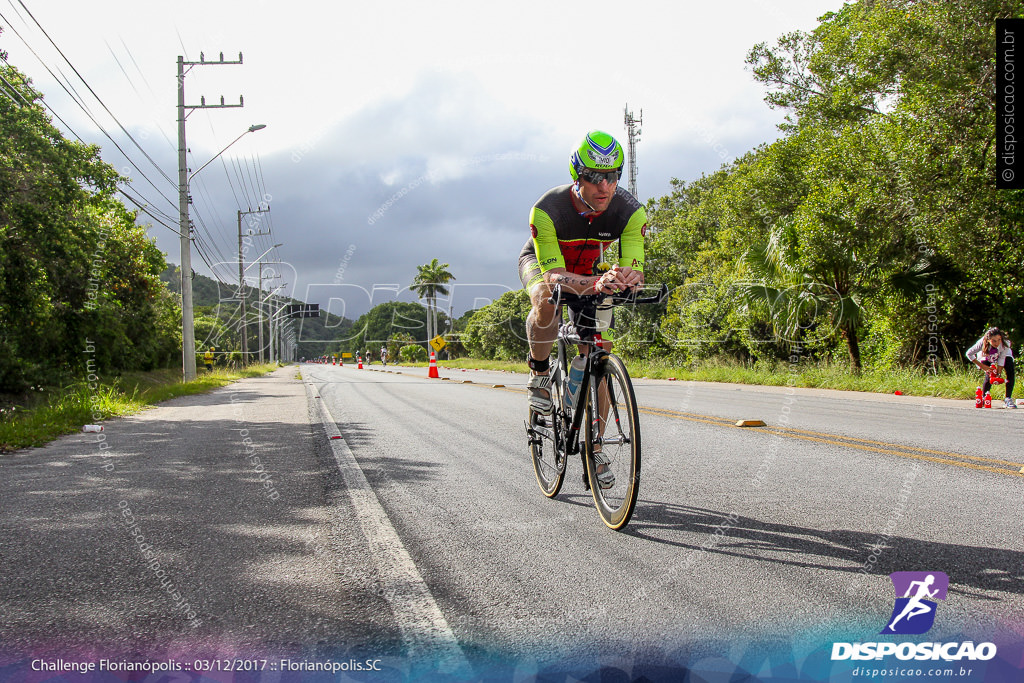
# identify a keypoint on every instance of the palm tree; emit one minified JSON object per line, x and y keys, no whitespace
{"x":796,"y":295}
{"x":830,"y":289}
{"x":429,"y":282}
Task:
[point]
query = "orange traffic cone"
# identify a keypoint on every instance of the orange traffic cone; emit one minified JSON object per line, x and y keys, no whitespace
{"x":360,"y":359}
{"x":433,"y":367}
{"x":334,"y":361}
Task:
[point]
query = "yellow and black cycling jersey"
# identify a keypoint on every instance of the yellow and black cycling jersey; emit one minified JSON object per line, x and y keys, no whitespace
{"x":562,"y":238}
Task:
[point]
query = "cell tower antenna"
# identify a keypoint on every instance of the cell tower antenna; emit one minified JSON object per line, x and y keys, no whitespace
{"x":633,"y":137}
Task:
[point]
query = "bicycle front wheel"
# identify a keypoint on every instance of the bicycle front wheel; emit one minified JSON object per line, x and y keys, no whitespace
{"x":547,"y":445}
{"x":613,"y":428}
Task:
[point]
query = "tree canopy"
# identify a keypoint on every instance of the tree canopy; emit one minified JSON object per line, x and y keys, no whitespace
{"x":75,"y":269}
{"x":872,"y":228}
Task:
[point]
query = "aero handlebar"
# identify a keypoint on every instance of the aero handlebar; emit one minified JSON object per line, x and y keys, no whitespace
{"x":629,"y":296}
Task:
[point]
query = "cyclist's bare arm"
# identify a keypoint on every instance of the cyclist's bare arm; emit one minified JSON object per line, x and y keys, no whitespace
{"x":616,"y":279}
{"x":570,"y":282}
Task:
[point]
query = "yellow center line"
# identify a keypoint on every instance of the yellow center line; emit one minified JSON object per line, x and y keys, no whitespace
{"x":915,"y":449}
{"x":947,"y":458}
{"x":795,"y":432}
{"x":861,"y":444}
{"x":904,"y":454}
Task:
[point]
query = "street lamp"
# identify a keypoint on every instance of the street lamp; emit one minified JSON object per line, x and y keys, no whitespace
{"x":275,"y":316}
{"x":251,"y":129}
{"x":270,"y":319}
{"x":257,"y":259}
{"x":188,"y":333}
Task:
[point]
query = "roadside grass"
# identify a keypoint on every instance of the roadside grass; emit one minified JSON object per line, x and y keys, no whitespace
{"x":468,"y":364}
{"x":950,"y":382}
{"x":40,"y":418}
{"x":957,"y":381}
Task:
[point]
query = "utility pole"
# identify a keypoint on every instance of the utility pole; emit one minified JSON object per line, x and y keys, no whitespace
{"x":272,"y":299}
{"x":633,"y":137}
{"x":188,"y":332}
{"x":241,"y":280}
{"x":260,"y":309}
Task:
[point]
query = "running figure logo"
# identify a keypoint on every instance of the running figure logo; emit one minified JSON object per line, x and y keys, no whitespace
{"x":914,"y":613}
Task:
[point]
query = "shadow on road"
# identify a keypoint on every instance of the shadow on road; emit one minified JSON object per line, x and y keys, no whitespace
{"x":220,"y":537}
{"x":993,"y":569}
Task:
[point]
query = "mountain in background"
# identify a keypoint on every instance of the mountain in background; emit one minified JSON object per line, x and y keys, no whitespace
{"x":213,"y":299}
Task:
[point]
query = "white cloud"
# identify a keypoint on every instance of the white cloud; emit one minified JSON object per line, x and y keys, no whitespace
{"x":472,"y":110}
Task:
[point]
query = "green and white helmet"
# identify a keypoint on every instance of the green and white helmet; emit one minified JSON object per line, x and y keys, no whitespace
{"x":599,"y":152}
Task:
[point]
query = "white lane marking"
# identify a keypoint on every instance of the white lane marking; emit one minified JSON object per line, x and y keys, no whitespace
{"x":425,"y":631}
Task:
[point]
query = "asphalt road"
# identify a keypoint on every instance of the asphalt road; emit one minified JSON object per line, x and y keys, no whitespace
{"x":407,"y":521}
{"x":834,"y":484}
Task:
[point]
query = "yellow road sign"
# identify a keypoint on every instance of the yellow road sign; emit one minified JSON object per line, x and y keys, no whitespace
{"x":438,"y":343}
{"x":346,"y":355}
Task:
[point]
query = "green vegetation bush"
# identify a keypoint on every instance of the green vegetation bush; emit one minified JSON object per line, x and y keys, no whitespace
{"x":413,"y":353}
{"x":79,"y":280}
{"x":498,"y":330}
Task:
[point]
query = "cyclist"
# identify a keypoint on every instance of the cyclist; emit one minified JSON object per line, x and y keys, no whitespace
{"x":384,"y":354}
{"x":572,"y":225}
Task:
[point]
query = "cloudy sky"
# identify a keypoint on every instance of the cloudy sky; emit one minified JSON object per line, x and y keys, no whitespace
{"x":396,"y":131}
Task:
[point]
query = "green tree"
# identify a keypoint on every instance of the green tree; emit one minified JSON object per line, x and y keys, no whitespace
{"x":906,"y":90}
{"x":430,"y":282}
{"x":498,"y":331}
{"x":412,"y":353}
{"x":75,"y":270}
{"x":384,"y":323}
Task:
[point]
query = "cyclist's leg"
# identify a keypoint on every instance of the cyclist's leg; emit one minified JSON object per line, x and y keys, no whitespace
{"x":541,"y":330}
{"x":603,"y":322}
{"x":541,"y":323}
{"x":604,"y":474}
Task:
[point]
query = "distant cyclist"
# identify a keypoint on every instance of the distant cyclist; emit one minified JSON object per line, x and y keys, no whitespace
{"x":384,"y":354}
{"x":572,"y":226}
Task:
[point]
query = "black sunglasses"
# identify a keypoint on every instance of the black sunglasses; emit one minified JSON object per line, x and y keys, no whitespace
{"x":596,"y":177}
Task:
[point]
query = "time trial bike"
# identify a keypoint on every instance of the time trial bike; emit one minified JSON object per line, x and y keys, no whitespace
{"x":598,"y":418}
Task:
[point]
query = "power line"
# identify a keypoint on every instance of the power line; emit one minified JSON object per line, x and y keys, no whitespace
{"x":204,"y":196}
{"x":98,"y":99}
{"x":241,"y":181}
{"x":248,"y":171}
{"x":86,"y":110}
{"x":141,"y":72}
{"x":151,"y":91}
{"x":139,"y":204}
{"x":231,"y":184}
{"x":259,"y":162}
{"x":144,"y":210}
{"x":14,"y":90}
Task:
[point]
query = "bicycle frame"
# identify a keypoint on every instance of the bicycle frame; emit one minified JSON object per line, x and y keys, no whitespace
{"x":576,"y":409}
{"x":597,"y":405}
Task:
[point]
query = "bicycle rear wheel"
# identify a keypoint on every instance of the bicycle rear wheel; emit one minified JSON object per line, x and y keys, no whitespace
{"x":613,"y":423}
{"x":547,"y":447}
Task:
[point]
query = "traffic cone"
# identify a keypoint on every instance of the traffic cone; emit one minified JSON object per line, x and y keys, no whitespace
{"x":433,"y":367}
{"x":334,"y":360}
{"x":360,"y":365}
